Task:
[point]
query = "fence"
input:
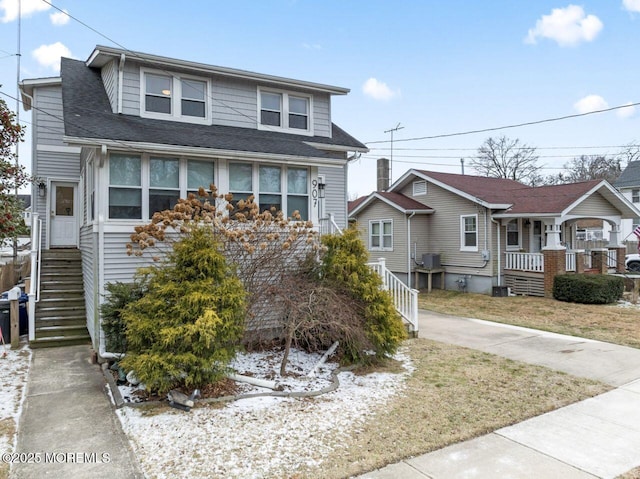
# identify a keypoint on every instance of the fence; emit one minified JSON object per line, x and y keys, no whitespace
{"x":12,"y":273}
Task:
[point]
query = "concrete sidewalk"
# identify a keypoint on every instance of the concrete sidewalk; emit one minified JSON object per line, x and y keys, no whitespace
{"x":595,"y":438}
{"x":68,"y":427}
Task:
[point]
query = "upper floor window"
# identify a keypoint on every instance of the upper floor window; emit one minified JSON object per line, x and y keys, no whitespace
{"x":469,"y":233}
{"x":419,"y":188}
{"x":173,"y":97}
{"x":284,"y":110}
{"x":635,"y":195}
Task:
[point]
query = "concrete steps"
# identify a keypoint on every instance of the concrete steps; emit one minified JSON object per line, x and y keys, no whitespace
{"x":60,"y":313}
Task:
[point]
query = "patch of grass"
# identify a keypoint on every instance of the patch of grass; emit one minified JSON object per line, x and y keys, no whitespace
{"x":454,"y":394}
{"x":607,"y":322}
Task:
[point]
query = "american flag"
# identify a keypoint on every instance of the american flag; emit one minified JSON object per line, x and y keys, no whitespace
{"x":637,"y":232}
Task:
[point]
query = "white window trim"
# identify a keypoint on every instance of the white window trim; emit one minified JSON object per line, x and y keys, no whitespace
{"x":462,"y":233}
{"x":518,"y":246}
{"x":284,"y":114}
{"x":176,"y":98}
{"x":381,"y":222}
{"x":420,"y":184}
{"x":635,"y":195}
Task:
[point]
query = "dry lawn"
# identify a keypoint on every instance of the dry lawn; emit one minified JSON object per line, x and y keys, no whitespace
{"x":611,"y":323}
{"x":454,"y":394}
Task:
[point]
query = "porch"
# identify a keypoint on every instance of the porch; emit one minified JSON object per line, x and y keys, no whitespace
{"x":525,"y":273}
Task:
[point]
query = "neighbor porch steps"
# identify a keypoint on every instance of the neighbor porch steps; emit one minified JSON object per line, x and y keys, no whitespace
{"x":60,"y":313}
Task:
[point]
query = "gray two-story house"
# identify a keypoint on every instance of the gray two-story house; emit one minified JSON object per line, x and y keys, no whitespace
{"x":125,"y":134}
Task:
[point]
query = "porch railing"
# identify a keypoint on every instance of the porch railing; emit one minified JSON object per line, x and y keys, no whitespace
{"x":328,"y":225}
{"x":570,"y":263}
{"x":533,"y":262}
{"x":34,"y":287}
{"x":405,"y":298}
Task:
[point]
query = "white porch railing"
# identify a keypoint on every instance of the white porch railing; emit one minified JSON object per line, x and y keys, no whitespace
{"x":612,"y":258}
{"x":525,"y":261}
{"x":34,"y":286}
{"x":405,"y":298}
{"x":570,"y":263}
{"x":328,"y":225}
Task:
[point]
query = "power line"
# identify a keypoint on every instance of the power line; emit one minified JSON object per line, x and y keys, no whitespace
{"x":516,"y":125}
{"x":516,"y":148}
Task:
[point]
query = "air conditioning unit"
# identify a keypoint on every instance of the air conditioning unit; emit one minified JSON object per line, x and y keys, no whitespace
{"x":430,"y":261}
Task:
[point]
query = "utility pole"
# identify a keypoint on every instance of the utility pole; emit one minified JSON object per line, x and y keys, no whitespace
{"x":18,"y":55}
{"x":398,"y":127}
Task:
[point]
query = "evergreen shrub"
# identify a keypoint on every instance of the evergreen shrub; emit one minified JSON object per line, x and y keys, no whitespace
{"x":188,"y":325}
{"x":588,"y":288}
{"x":344,"y":265}
{"x":119,"y":295}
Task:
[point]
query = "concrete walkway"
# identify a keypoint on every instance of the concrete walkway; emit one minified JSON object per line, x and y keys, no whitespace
{"x":595,"y":438}
{"x":68,"y":427}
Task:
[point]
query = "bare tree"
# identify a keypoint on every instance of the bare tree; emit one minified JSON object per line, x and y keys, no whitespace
{"x":506,"y":158}
{"x":588,"y":167}
{"x":629,"y":153}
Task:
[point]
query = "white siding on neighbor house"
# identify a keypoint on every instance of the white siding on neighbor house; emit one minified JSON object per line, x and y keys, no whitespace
{"x":594,"y":206}
{"x":396,"y":260}
{"x":444,"y":230}
{"x":335,"y":201}
{"x":47,"y":116}
{"x":109,"y":74}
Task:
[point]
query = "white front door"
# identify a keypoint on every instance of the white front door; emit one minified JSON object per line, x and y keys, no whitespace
{"x":64,"y":225}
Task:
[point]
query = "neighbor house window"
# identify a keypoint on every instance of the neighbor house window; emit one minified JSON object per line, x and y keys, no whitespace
{"x":469,"y":233}
{"x":164,"y":184}
{"x":125,"y":188}
{"x":284,"y":110}
{"x":298,"y":192}
{"x":174,"y":97}
{"x":513,"y":234}
{"x":270,"y":195}
{"x":419,"y":188}
{"x":381,"y":235}
{"x":635,"y":196}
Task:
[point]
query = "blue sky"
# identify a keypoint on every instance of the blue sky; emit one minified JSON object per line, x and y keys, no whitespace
{"x":434,"y":67}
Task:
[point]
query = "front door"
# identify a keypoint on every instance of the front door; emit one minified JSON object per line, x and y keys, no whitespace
{"x":537,"y":237}
{"x":64,"y":225}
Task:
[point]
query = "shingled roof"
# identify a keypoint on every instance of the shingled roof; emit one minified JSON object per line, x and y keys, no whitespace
{"x":630,"y":177}
{"x":88,"y":116}
{"x":396,"y":200}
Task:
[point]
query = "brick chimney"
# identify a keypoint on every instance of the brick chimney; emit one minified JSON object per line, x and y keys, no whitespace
{"x":383,"y":174}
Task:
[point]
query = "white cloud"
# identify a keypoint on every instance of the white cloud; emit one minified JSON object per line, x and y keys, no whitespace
{"x":631,"y":5}
{"x":49,"y":55}
{"x":378,"y":90}
{"x":27,"y":8}
{"x":627,"y":112}
{"x":567,"y":26}
{"x":59,"y":18}
{"x":590,"y":103}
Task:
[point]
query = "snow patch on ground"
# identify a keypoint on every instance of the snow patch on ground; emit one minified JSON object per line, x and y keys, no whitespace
{"x":261,"y":437}
{"x":14,"y":367}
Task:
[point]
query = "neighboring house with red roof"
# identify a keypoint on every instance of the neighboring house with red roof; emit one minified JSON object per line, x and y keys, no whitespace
{"x":486,"y":232}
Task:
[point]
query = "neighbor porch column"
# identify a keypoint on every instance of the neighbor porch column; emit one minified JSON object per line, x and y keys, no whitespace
{"x":618,"y":247}
{"x":555,"y":261}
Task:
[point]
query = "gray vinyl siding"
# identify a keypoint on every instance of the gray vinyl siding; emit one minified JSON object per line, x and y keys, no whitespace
{"x":117,"y":265}
{"x":443,"y":235}
{"x":396,"y":260}
{"x":595,"y":205}
{"x":233,"y":102}
{"x":58,"y":165}
{"x":47,"y":116}
{"x":110,"y":79}
{"x":131,"y":89}
{"x":335,"y":201}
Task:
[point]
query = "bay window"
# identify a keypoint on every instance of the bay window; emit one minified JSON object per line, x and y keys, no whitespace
{"x":164,"y":184}
{"x":298,"y":192}
{"x":199,"y":174}
{"x":270,"y":188}
{"x":240,"y":181}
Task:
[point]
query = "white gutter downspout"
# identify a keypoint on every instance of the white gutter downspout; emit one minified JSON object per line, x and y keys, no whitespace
{"x":120,"y":81}
{"x":497,"y":223}
{"x":409,"y":248}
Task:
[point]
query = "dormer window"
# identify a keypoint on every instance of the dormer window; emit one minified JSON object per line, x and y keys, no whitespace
{"x":287,"y":111}
{"x":174,"y":97}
